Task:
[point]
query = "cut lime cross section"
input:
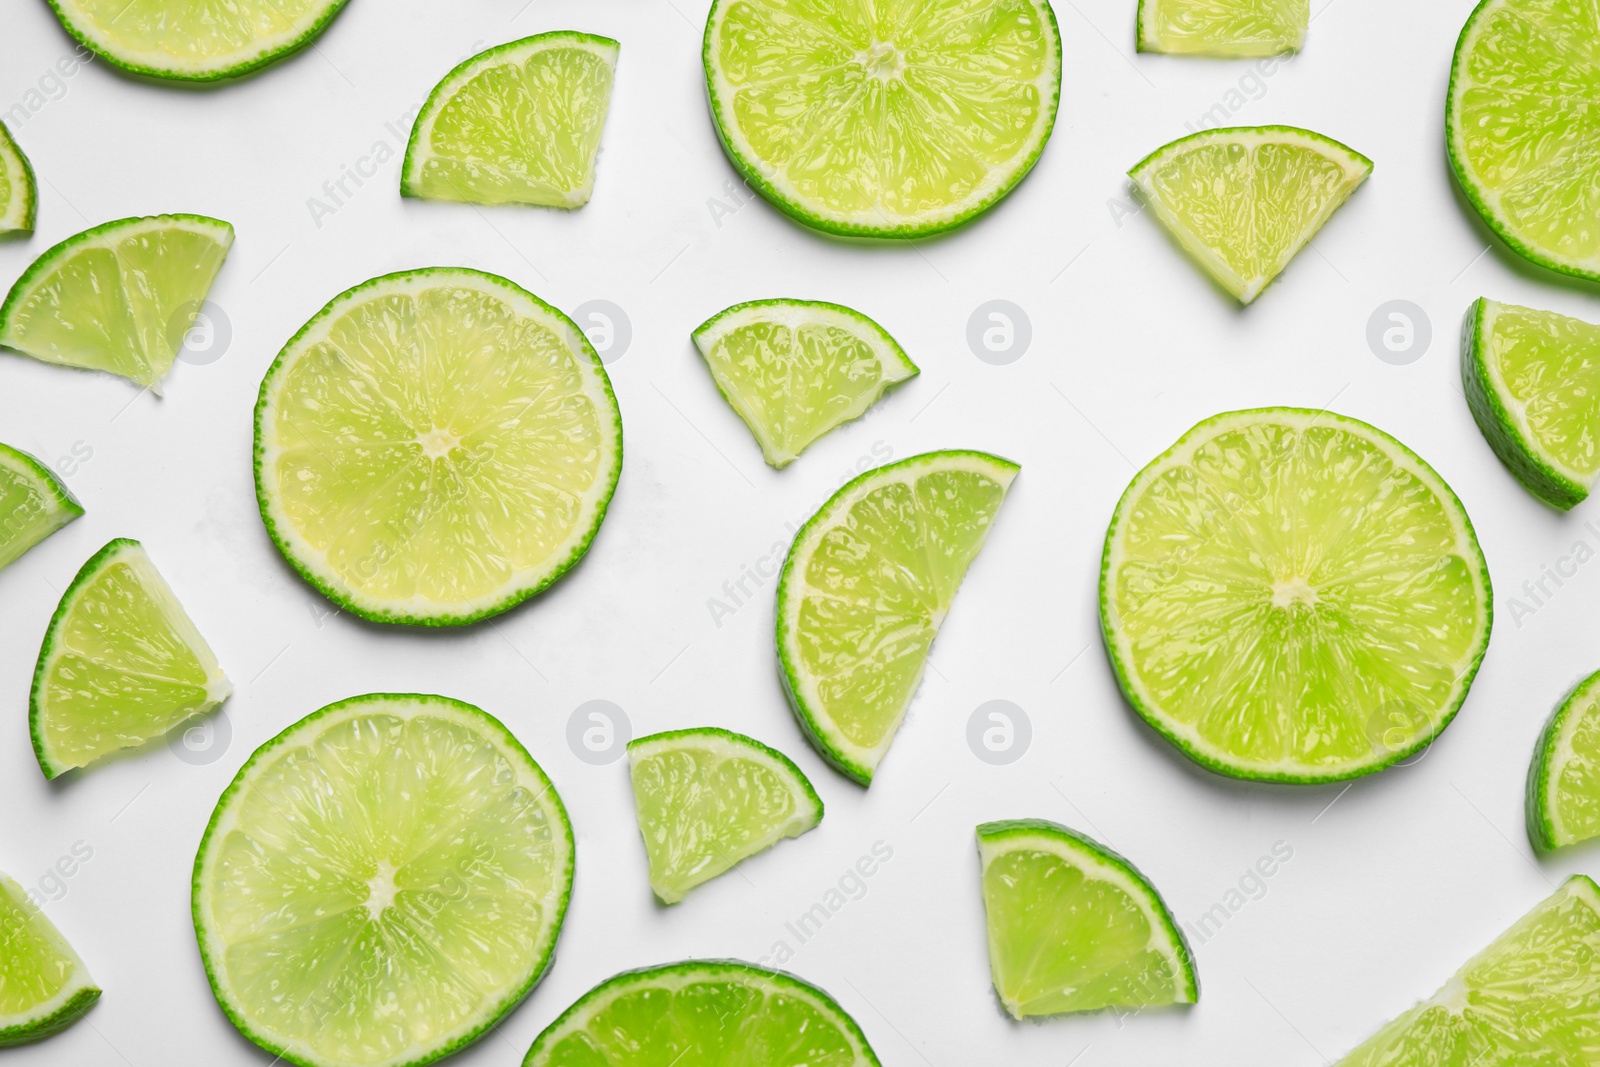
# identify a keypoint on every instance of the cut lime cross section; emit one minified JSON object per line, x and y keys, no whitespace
{"x":1532,"y":380}
{"x":708,"y":799}
{"x":795,"y":369}
{"x":883,"y":120}
{"x":517,"y":124}
{"x":121,"y":664}
{"x":382,"y":882}
{"x":119,"y":297}
{"x":709,"y":1013}
{"x":44,"y":986}
{"x":19,"y":195}
{"x":1244,"y":201}
{"x":1564,"y":779}
{"x":1532,"y":997}
{"x":1223,"y":27}
{"x":435,"y":446}
{"x":1293,"y":595}
{"x":33,"y":504}
{"x":1075,"y":927}
{"x":865,"y":588}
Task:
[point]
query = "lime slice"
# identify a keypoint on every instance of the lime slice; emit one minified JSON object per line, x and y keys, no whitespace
{"x":708,"y":799}
{"x":1564,"y":779}
{"x":44,"y":986}
{"x":119,"y":297}
{"x":518,"y":124}
{"x":382,"y":882}
{"x":795,"y":369}
{"x":1532,"y":380}
{"x":1529,"y":998}
{"x":1244,"y":201}
{"x":869,"y":579}
{"x":194,"y":40}
{"x":1520,"y":129}
{"x":435,"y":446}
{"x":19,"y":195}
{"x":34,"y":504}
{"x":711,"y":1013}
{"x":883,"y":120}
{"x":1075,"y":927}
{"x":121,"y":664}
{"x":1295,"y":596}
{"x":1223,"y":27}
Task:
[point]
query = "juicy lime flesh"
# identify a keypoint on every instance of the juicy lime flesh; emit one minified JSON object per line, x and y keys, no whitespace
{"x":30,"y":514}
{"x":33,"y":968}
{"x":191,"y":32}
{"x":1573,"y":799}
{"x":1550,"y":366}
{"x":1228,"y":27}
{"x":9,"y":187}
{"x":1292,"y":596}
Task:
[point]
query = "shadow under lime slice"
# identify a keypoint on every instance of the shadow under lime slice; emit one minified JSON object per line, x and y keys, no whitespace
{"x":44,"y":986}
{"x":1564,"y":778}
{"x":33,"y":502}
{"x":1223,"y":27}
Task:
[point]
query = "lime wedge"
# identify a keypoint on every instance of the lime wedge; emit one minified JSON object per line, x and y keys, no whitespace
{"x":1295,"y":596}
{"x":883,"y":120}
{"x":518,"y":124}
{"x":119,"y":297}
{"x":867,"y":583}
{"x":44,"y":986}
{"x":795,"y":369}
{"x":1532,"y":997}
{"x":1532,"y":380}
{"x":34,"y":503}
{"x":712,"y":1013}
{"x":708,"y":799}
{"x":19,"y":195}
{"x":194,"y":40}
{"x":435,"y":446}
{"x":1244,"y":201}
{"x":1520,"y":129}
{"x":1564,"y":779}
{"x":1075,"y":927}
{"x":1223,"y":27}
{"x":382,"y":882}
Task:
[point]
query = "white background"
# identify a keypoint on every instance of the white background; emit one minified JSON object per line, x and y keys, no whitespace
{"x":1394,"y":881}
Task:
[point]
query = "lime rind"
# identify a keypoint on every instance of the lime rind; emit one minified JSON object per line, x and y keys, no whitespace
{"x":20,"y":210}
{"x":1551,"y":754}
{"x":1285,"y":37}
{"x":70,"y":1002}
{"x":55,"y":507}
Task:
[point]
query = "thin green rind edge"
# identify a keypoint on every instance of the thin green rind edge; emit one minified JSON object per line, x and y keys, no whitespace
{"x":512,"y":999}
{"x":67,"y":507}
{"x":52,"y":1024}
{"x":1541,"y":829}
{"x":511,"y":600}
{"x":991,"y":831}
{"x":1278,"y":127}
{"x":809,"y":719}
{"x":798,"y":212}
{"x":712,"y":969}
{"x":1232,"y":771}
{"x":1143,"y":42}
{"x":435,"y":101}
{"x":30,"y":184}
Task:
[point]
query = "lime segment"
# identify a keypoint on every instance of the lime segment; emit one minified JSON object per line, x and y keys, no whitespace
{"x":19,"y":194}
{"x":1223,"y":27}
{"x":44,"y":986}
{"x":1564,"y":779}
{"x":33,"y":504}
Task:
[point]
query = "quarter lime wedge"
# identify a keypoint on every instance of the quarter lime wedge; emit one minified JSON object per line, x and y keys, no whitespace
{"x":795,"y":369}
{"x":1074,"y":927}
{"x":435,"y":446}
{"x":518,"y":124}
{"x":1564,"y":779}
{"x":121,"y":664}
{"x":711,"y":1013}
{"x":883,"y":120}
{"x":1244,"y":201}
{"x":708,"y":799}
{"x":19,"y":194}
{"x":382,"y":883}
{"x":866,"y":585}
{"x":33,"y":504}
{"x":44,"y":986}
{"x":1292,"y":595}
{"x":1223,"y":27}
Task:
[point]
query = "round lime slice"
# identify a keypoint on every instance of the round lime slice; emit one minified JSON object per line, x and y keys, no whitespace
{"x":711,"y":1013}
{"x":382,"y":882}
{"x":44,"y":986}
{"x":1223,"y":27}
{"x":518,"y":124}
{"x":867,"y":583}
{"x":883,"y":121}
{"x":435,"y":446}
{"x":1564,"y":779}
{"x":19,"y":194}
{"x":33,"y":503}
{"x":1520,"y":131}
{"x":1292,"y":595}
{"x":1075,"y":927}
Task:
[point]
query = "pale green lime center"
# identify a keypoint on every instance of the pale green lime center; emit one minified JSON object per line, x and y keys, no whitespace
{"x":1228,"y":27}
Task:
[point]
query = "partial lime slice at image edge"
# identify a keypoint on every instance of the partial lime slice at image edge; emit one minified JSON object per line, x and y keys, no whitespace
{"x":19,"y":191}
{"x":1564,"y":776}
{"x":33,"y":502}
{"x":1229,"y":28}
{"x":44,"y":986}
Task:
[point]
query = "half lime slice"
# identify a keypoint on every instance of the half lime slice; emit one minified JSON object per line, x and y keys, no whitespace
{"x":711,"y":1013}
{"x":867,"y":583}
{"x":1075,"y":927}
{"x":119,"y":297}
{"x":121,"y":664}
{"x":1564,"y":778}
{"x":1244,"y":201}
{"x":1292,"y":595}
{"x":1223,"y":27}
{"x":19,"y":194}
{"x":1532,"y":380}
{"x":795,"y":369}
{"x":708,"y":799}
{"x":436,"y":446}
{"x":33,"y":504}
{"x":883,"y":121}
{"x":382,"y":882}
{"x":44,"y":986}
{"x":518,"y":124}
